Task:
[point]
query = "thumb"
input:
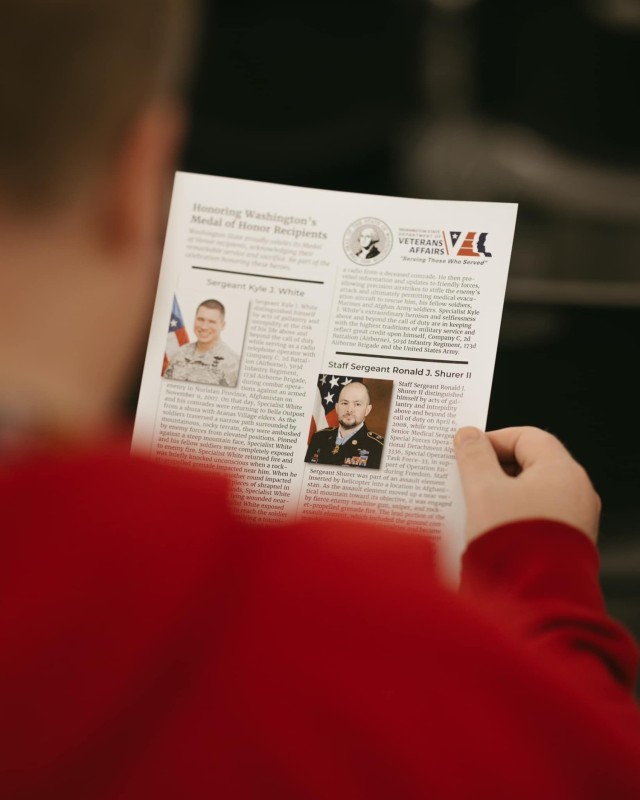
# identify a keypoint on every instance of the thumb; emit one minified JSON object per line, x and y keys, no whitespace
{"x":479,"y":467}
{"x":477,"y":460}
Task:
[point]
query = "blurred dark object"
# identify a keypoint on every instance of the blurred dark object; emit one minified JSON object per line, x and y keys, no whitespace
{"x":568,"y":70}
{"x":305,"y":93}
{"x":534,"y":103}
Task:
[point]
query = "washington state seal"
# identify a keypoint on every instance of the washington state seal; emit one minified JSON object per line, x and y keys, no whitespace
{"x":368,"y":241}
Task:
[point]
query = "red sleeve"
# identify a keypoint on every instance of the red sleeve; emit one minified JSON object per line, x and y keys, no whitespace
{"x":543,"y":576}
{"x":155,"y":646}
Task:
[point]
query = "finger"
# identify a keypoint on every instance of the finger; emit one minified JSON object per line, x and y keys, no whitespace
{"x":511,"y":469}
{"x":526,"y":446}
{"x":476,"y":457}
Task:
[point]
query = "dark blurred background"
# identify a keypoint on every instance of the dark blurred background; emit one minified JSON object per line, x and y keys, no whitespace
{"x":531,"y":101}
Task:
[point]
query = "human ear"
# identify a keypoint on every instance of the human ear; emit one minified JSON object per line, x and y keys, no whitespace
{"x":137,"y":188}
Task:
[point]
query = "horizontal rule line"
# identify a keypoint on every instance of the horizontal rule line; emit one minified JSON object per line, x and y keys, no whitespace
{"x":257,"y":275}
{"x":400,"y":358}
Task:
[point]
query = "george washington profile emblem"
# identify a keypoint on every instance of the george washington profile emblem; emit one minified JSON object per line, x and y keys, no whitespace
{"x":368,"y":241}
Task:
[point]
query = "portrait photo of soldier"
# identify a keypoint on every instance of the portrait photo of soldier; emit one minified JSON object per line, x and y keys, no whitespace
{"x":208,"y":359}
{"x":352,"y":440}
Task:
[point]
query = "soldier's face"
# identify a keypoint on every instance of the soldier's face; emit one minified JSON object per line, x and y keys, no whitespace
{"x":353,"y":406}
{"x":208,"y":325}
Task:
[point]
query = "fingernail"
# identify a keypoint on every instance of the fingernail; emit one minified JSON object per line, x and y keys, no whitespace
{"x":466,"y":435}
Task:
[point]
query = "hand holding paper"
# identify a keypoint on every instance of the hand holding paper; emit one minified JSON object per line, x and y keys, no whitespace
{"x":546,"y":482}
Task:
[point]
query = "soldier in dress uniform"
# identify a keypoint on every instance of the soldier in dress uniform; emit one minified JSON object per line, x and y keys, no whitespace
{"x":351,"y":443}
{"x":208,"y":359}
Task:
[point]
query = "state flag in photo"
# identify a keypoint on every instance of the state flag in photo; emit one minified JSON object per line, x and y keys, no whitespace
{"x":177,"y":335}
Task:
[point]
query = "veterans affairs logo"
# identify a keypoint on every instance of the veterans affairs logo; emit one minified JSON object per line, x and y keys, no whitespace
{"x":368,"y":241}
{"x":473,"y":244}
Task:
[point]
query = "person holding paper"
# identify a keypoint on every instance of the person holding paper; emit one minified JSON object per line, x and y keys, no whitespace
{"x":151,"y":651}
{"x":351,"y":444}
{"x":208,"y":359}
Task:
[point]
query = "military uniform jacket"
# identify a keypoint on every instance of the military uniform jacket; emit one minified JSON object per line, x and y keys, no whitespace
{"x":363,"y":449}
{"x":218,"y":366}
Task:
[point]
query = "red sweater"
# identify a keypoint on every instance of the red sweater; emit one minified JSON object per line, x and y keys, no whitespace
{"x":151,"y":645}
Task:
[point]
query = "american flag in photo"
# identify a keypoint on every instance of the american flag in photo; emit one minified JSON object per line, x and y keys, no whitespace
{"x":324,"y":405}
{"x":177,"y":335}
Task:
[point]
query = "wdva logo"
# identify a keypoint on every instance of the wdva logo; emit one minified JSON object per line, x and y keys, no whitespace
{"x":473,"y":244}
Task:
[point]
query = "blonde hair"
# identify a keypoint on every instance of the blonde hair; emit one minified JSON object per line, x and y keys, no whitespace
{"x":73,"y":75}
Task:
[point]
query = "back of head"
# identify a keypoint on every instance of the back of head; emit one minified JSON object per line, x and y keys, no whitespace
{"x":73,"y":74}
{"x":90,"y":122}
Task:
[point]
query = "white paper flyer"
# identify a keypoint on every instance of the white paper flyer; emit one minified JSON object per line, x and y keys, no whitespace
{"x":323,"y":347}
